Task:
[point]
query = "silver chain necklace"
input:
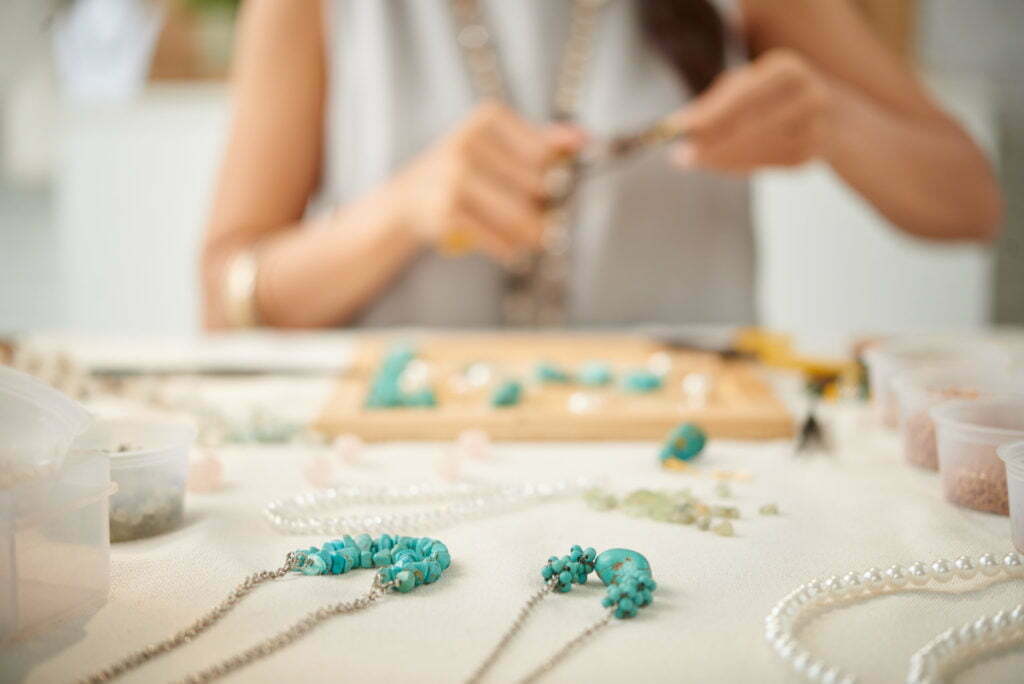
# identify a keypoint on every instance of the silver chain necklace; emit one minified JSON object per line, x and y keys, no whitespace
{"x":446,"y":505}
{"x":536,"y":289}
{"x":259,"y":650}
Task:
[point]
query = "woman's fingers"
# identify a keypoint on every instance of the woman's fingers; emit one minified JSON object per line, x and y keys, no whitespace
{"x":480,"y":235}
{"x":515,"y":218}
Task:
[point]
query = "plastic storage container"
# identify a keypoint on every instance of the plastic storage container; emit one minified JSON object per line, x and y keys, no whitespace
{"x":887,"y":359}
{"x":968,"y":433}
{"x":1013,"y":457}
{"x":917,"y":391}
{"x":149,"y":464}
{"x":54,"y":546}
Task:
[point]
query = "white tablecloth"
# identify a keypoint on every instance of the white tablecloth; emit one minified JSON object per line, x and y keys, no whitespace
{"x":858,"y":508}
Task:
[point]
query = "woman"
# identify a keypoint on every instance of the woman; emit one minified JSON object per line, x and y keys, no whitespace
{"x":368,"y":109}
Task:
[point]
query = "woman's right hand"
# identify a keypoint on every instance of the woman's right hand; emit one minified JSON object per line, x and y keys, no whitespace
{"x":482,"y":185}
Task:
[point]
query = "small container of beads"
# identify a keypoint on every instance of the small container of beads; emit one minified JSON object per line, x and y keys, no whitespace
{"x":888,"y":359}
{"x":917,"y":391}
{"x":149,"y":463}
{"x":1013,"y":457}
{"x":968,"y":432}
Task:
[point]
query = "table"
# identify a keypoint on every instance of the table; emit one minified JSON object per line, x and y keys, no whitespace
{"x":857,"y":508}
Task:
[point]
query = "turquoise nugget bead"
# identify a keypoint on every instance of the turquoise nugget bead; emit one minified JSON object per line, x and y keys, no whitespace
{"x":433,"y":573}
{"x":385,"y":542}
{"x":684,"y":443}
{"x":641,"y":381}
{"x":595,"y":374}
{"x":614,"y":564}
{"x":349,"y":542}
{"x":548,"y":372}
{"x":443,"y":559}
{"x":351,"y":557}
{"x":406,"y":581}
{"x":314,"y":565}
{"x":364,"y":542}
{"x":507,"y":393}
{"x":366,"y":559}
{"x":423,"y":546}
{"x":381,"y":558}
{"x":339,"y":566}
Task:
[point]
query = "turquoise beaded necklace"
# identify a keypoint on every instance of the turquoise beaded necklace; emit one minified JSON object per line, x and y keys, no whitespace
{"x":401,"y":563}
{"x":630,"y":587}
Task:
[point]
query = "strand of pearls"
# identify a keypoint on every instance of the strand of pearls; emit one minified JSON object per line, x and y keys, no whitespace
{"x":448,"y":505}
{"x":927,"y":665}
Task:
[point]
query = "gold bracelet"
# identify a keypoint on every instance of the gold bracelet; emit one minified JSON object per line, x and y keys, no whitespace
{"x":240,"y":290}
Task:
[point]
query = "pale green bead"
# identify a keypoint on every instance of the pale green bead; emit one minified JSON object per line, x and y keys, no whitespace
{"x":704,"y":522}
{"x":769,"y":509}
{"x":723,"y":528}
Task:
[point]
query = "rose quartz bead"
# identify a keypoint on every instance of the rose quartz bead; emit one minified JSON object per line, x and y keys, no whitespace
{"x":475,"y":444}
{"x":348,"y":449}
{"x":319,"y":471}
{"x":205,"y":474}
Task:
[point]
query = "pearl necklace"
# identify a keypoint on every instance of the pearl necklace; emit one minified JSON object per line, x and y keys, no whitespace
{"x":455,"y":504}
{"x":936,"y":659}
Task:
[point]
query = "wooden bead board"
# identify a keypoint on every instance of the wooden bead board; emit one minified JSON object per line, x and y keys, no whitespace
{"x":739,"y":405}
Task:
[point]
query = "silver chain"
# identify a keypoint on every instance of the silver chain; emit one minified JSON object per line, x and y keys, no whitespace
{"x":550,"y":663}
{"x":517,"y":626}
{"x":536,"y":289}
{"x":260,"y":650}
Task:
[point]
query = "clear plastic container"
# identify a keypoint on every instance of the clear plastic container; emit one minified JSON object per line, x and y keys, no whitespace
{"x":968,"y":433}
{"x":149,"y":463}
{"x":917,"y":391}
{"x":1013,"y":457}
{"x":887,"y":359}
{"x":38,"y":424}
{"x":54,"y":548}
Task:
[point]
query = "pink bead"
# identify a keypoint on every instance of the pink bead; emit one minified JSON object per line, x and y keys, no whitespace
{"x":319,"y":471}
{"x":448,"y":464}
{"x":205,"y":474}
{"x":475,"y":444}
{"x":348,"y":448}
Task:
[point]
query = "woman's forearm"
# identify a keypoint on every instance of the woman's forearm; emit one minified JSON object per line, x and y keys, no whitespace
{"x":322,"y":272}
{"x":925,"y":176}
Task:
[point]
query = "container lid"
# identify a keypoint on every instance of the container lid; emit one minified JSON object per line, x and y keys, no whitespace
{"x":990,"y":420}
{"x":132,"y":443}
{"x":938,"y":351}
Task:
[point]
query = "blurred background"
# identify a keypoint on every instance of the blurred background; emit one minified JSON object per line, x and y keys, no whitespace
{"x":110,"y":140}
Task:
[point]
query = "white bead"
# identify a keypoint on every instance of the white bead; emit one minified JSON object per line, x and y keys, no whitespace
{"x":873,"y":579}
{"x":982,"y":627}
{"x":1017,"y":614}
{"x":1001,"y":620}
{"x":801,"y":659}
{"x":918,"y":572}
{"x":964,"y":567}
{"x":989,"y":565}
{"x":833,"y":586}
{"x":814,"y":670}
{"x":941,"y":570}
{"x":1013,"y":564}
{"x":831,"y":675}
{"x":847,"y":679}
{"x":852,"y":583}
{"x":814,"y":588}
{"x":966,"y":634}
{"x":896,"y":576}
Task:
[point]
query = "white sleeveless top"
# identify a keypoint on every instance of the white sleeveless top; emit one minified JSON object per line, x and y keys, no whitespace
{"x":650,"y":243}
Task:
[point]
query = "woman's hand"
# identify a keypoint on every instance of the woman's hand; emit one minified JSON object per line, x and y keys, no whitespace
{"x":482,"y":185}
{"x":775,"y":111}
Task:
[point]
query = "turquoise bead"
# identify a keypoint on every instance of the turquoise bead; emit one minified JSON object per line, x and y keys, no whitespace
{"x":339,"y":566}
{"x":550,"y":373}
{"x":641,"y":381}
{"x":366,"y":559}
{"x":506,"y":394}
{"x":351,"y":556}
{"x":385,"y":542}
{"x":684,"y":443}
{"x":615,"y":563}
{"x":406,"y":581}
{"x":433,"y":572}
{"x":596,"y":374}
{"x":424,"y":398}
{"x":349,"y":542}
{"x":443,"y":559}
{"x":314,"y":565}
{"x":381,"y":558}
{"x":364,"y":542}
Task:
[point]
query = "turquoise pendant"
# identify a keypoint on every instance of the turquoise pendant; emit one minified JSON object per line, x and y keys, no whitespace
{"x":613,"y":563}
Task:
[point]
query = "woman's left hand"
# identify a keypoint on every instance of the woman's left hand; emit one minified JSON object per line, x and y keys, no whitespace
{"x":775,"y":111}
